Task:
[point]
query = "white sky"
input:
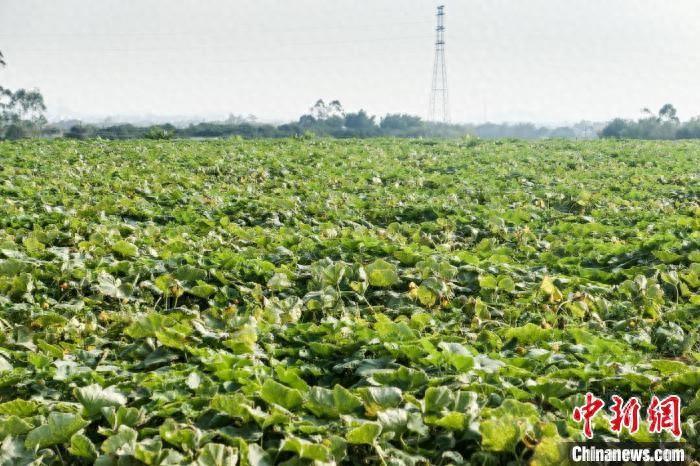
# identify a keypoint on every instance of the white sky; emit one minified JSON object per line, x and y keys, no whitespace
{"x":508,"y":60}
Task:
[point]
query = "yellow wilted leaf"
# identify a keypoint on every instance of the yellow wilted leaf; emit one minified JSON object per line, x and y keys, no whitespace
{"x":548,"y":287}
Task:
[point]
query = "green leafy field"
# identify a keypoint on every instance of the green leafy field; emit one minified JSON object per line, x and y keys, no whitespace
{"x":366,"y":302}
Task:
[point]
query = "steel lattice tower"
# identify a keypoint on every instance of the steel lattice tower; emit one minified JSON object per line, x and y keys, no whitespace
{"x":439,"y":107}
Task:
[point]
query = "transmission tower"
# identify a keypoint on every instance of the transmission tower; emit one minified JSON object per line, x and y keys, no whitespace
{"x":439,"y":107}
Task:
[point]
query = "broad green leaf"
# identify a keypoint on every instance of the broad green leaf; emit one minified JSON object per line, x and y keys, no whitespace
{"x":551,"y":451}
{"x":113,"y":287}
{"x":404,"y":378}
{"x":190,"y":274}
{"x":279,"y":282}
{"x":457,"y":355}
{"x":13,"y":426}
{"x":290,"y":376}
{"x":125,"y":249}
{"x":528,"y":334}
{"x":94,"y":398}
{"x":168,"y":331}
{"x":216,"y":454}
{"x":382,"y":274}
{"x":437,"y":399}
{"x":488,"y":282}
{"x":453,"y":420}
{"x":123,"y":416}
{"x":21,"y":408}
{"x":149,"y":450}
{"x":393,"y":420}
{"x":275,"y":392}
{"x":305,"y":449}
{"x":202,"y":290}
{"x":59,"y":428}
{"x":182,"y":436}
{"x":257,"y":456}
{"x":82,"y":446}
{"x":233,"y":405}
{"x":499,"y":434}
{"x":426,"y":296}
{"x":515,"y":409}
{"x":365,"y":434}
{"x":379,"y":398}
{"x":121,"y":443}
{"x":506,"y":284}
{"x":332,"y":403}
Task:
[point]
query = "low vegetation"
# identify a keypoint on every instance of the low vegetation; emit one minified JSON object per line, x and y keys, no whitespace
{"x":358,"y":302}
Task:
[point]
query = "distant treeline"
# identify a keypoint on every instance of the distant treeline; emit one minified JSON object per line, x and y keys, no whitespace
{"x":22,"y":116}
{"x":663,"y":125}
{"x":404,"y":126}
{"x":329,"y":120}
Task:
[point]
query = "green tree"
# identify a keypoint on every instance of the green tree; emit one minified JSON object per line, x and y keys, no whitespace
{"x":664,"y":125}
{"x":157,"y":132}
{"x":79,"y":132}
{"x":398,"y":121}
{"x":16,"y":131}
{"x":614,"y":129}
{"x":668,"y":113}
{"x":323,"y":111}
{"x":690,"y":129}
{"x":22,"y":105}
{"x":359,"y":121}
{"x":21,"y":112}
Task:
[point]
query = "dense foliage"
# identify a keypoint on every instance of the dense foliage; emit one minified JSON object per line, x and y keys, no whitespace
{"x":402,"y":126}
{"x":384,"y":301}
{"x":664,"y":125}
{"x":21,"y":113}
{"x":325,"y":120}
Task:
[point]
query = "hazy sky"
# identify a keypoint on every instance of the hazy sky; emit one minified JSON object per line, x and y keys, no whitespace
{"x":507,"y":60}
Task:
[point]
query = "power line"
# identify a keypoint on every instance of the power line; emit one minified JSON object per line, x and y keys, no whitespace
{"x":219,"y":46}
{"x":393,"y":56}
{"x":334,"y":27}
